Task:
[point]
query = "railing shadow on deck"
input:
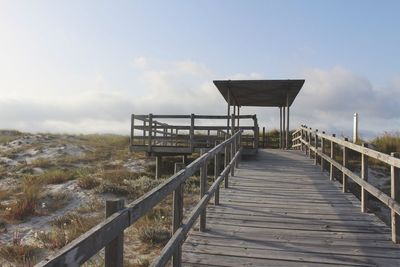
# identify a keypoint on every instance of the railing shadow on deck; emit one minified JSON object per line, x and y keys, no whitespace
{"x":109,"y":233}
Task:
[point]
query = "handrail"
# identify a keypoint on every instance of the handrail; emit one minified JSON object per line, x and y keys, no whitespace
{"x":84,"y":247}
{"x":312,"y":142}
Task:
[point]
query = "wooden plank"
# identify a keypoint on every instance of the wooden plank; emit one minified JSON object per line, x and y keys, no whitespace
{"x":292,"y":255}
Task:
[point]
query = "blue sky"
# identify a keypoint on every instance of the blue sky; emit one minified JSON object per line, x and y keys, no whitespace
{"x":90,"y":64}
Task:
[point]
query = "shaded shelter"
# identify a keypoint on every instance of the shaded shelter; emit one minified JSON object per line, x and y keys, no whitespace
{"x":261,"y":93}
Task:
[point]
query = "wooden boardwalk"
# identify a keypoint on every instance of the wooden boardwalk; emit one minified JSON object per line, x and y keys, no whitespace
{"x":281,"y":210}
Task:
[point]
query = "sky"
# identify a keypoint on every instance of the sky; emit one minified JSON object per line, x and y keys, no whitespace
{"x":85,"y":66}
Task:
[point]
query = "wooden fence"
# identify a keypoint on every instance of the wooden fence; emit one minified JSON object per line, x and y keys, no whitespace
{"x":109,"y":233}
{"x":315,"y":144}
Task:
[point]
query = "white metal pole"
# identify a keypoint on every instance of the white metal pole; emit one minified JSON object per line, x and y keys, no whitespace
{"x":355,"y":128}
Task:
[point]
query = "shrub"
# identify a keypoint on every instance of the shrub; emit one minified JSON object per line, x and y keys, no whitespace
{"x":88,"y":182}
{"x":141,"y":186}
{"x":154,"y":234}
{"x":108,"y":187}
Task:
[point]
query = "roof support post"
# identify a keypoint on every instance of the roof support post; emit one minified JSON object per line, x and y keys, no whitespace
{"x":287,"y":122}
{"x":283,"y":127}
{"x":280,"y":127}
{"x":233,"y":119}
{"x":238,"y":119}
{"x":228,"y":115}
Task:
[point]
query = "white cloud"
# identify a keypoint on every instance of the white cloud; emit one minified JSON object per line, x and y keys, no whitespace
{"x":331,"y":97}
{"x":140,"y":62}
{"x":327,"y":101}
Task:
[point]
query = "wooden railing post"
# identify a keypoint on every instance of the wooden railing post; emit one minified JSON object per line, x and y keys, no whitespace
{"x":322,"y":152}
{"x":114,"y":251}
{"x":301,"y":138}
{"x":332,"y":157}
{"x":236,"y":150}
{"x":191,"y":134}
{"x":177,"y":212}
{"x":216,"y":174}
{"x":395,"y":194}
{"x":316,"y":147}
{"x":226,"y":162}
{"x":150,"y":132}
{"x":203,"y":190}
{"x":232,"y":148}
{"x":132,"y":129}
{"x":306,"y":139}
{"x":263,"y":137}
{"x":364,"y":176}
{"x":345,"y":164}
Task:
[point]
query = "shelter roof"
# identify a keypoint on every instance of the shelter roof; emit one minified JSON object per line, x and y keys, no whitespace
{"x":261,"y":93}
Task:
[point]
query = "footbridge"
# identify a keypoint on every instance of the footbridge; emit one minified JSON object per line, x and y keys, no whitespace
{"x":309,"y":203}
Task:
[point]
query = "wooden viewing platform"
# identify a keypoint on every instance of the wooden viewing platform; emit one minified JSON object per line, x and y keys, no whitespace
{"x":281,"y":210}
{"x":277,"y":208}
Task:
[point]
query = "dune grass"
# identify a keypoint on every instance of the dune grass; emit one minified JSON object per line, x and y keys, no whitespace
{"x":27,"y":200}
{"x":387,"y":142}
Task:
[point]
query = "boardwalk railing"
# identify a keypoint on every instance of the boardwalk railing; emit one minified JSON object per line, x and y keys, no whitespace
{"x":188,"y":133}
{"x":109,"y":233}
{"x":315,"y":145}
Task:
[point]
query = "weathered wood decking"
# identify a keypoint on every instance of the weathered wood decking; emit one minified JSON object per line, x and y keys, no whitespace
{"x":281,"y":210}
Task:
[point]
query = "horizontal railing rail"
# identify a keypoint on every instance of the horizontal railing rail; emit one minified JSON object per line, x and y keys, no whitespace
{"x":314,"y":144}
{"x":109,"y":231}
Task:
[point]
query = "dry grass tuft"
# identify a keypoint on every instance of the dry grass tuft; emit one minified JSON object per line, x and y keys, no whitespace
{"x":22,"y":255}
{"x":66,"y":228}
{"x":27,"y":200}
{"x":54,"y":201}
{"x":155,"y":234}
{"x":88,"y":182}
{"x":42,"y":163}
{"x":93,"y":205}
{"x":7,"y":136}
{"x":57,"y":176}
{"x":387,"y":143}
{"x":122,"y":182}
